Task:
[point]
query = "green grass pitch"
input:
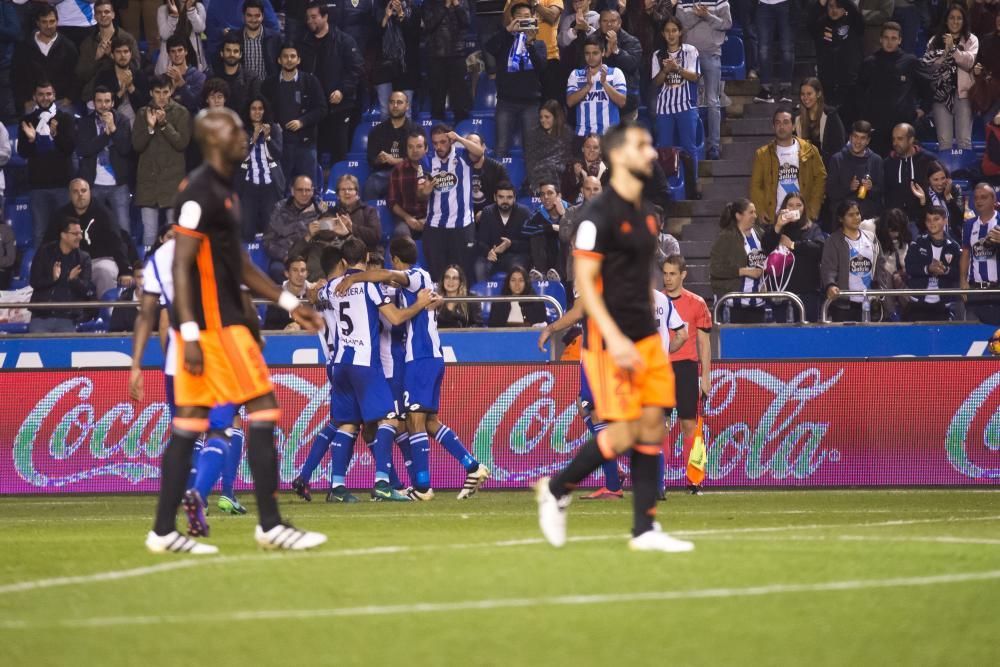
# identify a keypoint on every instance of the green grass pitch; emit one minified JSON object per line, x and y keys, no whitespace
{"x":777,"y":578}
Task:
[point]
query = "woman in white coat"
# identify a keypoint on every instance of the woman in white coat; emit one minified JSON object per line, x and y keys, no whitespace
{"x":188,"y":18}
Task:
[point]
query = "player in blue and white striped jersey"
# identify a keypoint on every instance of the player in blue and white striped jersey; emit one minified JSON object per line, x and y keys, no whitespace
{"x":424,"y":373}
{"x":360,"y":393}
{"x":597,"y":91}
{"x":220,"y":453}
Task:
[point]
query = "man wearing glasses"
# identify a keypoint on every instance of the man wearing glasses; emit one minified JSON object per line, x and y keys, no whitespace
{"x":60,"y":271}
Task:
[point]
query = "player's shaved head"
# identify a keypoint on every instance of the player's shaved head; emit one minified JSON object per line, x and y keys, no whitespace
{"x":220,"y":135}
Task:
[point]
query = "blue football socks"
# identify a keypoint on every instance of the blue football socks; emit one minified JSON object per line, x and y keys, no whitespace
{"x":342,"y":449}
{"x":317,"y":451}
{"x":382,"y":451}
{"x":454,"y":446}
{"x":210,"y":462}
{"x":232,"y":466}
{"x":403,"y":444}
{"x":420,"y":473}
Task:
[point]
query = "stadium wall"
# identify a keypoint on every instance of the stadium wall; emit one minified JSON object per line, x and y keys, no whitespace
{"x":768,"y":424}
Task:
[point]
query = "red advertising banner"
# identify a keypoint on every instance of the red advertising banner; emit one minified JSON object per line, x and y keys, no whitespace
{"x":772,"y":424}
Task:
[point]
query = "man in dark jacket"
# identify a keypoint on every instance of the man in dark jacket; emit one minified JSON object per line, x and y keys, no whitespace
{"x":500,"y":240}
{"x":520,"y":60}
{"x":487,"y":174}
{"x":243,"y":84}
{"x":101,"y":238}
{"x":889,"y":88}
{"x":95,"y":50}
{"x":838,"y":31}
{"x":932,"y":262}
{"x":56,"y":65}
{"x":256,"y":17}
{"x":906,"y":164}
{"x":46,"y":139}
{"x":855,"y":166}
{"x":299,"y":105}
{"x":104,"y":145}
{"x":387,"y":146}
{"x":128,"y":85}
{"x":445,"y":24}
{"x":333,"y":57}
{"x":60,"y":271}
{"x":621,"y":50}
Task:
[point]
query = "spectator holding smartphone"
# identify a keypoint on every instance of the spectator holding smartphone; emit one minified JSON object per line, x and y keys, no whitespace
{"x":804,"y":239}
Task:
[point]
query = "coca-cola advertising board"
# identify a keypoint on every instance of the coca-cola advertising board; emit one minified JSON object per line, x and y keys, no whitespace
{"x":777,"y":424}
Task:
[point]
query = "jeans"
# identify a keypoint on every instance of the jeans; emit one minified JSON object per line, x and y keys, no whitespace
{"x":686,"y":123}
{"x":51,"y":325}
{"x":44,"y":202}
{"x":257,"y":205}
{"x":513,"y":120}
{"x":117,"y":199}
{"x":742,"y":11}
{"x":104,"y":273}
{"x":151,"y":223}
{"x":711,"y":73}
{"x":956,"y":124}
{"x":446,"y":81}
{"x":377,"y":185}
{"x":384,"y":90}
{"x":908,"y":19}
{"x":299,"y":160}
{"x":774,"y":23}
{"x":443,"y":247}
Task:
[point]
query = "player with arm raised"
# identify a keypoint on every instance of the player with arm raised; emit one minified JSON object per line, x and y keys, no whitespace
{"x":423,"y":374}
{"x":628,"y":370}
{"x":221,"y":362}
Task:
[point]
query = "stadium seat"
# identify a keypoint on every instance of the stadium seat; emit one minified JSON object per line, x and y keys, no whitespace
{"x":258,"y":255}
{"x":699,"y":141}
{"x":19,"y":213}
{"x":488,"y":288}
{"x":530,"y":202}
{"x":385,"y":217}
{"x":676,"y":185}
{"x":958,"y":161}
{"x":485,"y":103}
{"x":358,"y":168}
{"x":112,"y":294}
{"x":978,"y":134}
{"x":23,"y":276}
{"x":484,"y":127}
{"x":515,"y":170}
{"x":359,"y":144}
{"x":734,"y":66}
{"x":555,"y":289}
{"x":13,"y":328}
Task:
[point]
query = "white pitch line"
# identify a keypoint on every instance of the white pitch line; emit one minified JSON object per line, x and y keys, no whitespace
{"x":382,"y":550}
{"x":512,"y":603}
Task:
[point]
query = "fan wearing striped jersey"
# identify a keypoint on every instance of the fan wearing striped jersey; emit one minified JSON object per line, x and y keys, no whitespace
{"x":359,"y":393}
{"x":596,"y":91}
{"x":424,"y":373}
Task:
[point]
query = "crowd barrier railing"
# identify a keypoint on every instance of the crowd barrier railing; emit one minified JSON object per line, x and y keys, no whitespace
{"x":720,"y":303}
{"x":871,"y":294}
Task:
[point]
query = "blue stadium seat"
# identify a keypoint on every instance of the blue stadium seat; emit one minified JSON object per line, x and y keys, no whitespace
{"x":978,"y":134}
{"x":112,"y":294}
{"x":485,"y":127}
{"x":676,"y":185}
{"x":19,"y":213}
{"x":24,"y":274}
{"x":555,"y":289}
{"x":385,"y":217}
{"x":515,"y":170}
{"x":734,"y":66}
{"x":258,"y":255}
{"x":958,"y":160}
{"x":486,"y":97}
{"x":359,"y":144}
{"x":530,"y":202}
{"x":488,"y":288}
{"x":359,"y":168}
{"x":13,"y":328}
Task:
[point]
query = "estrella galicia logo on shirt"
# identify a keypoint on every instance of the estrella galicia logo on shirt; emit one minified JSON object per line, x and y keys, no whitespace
{"x":445,"y":181}
{"x":860,"y":265}
{"x":756,"y":259}
{"x":983,"y":250}
{"x":788,"y":173}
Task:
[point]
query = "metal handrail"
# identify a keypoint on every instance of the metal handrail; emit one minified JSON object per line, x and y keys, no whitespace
{"x":732,"y":296}
{"x":550,"y":300}
{"x":875,"y":293}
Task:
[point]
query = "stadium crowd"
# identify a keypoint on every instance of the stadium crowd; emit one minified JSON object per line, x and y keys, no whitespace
{"x":479,"y":140}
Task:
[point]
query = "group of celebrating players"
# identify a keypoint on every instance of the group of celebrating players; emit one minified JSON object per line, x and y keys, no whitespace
{"x":384,"y":359}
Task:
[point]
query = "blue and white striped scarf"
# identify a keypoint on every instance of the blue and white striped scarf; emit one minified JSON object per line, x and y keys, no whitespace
{"x":518,"y":59}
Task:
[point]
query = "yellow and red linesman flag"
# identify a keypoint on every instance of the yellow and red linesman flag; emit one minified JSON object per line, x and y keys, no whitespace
{"x":697,"y":456}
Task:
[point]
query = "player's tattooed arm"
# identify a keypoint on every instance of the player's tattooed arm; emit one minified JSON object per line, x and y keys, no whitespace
{"x":397,"y":316}
{"x":372,"y":276}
